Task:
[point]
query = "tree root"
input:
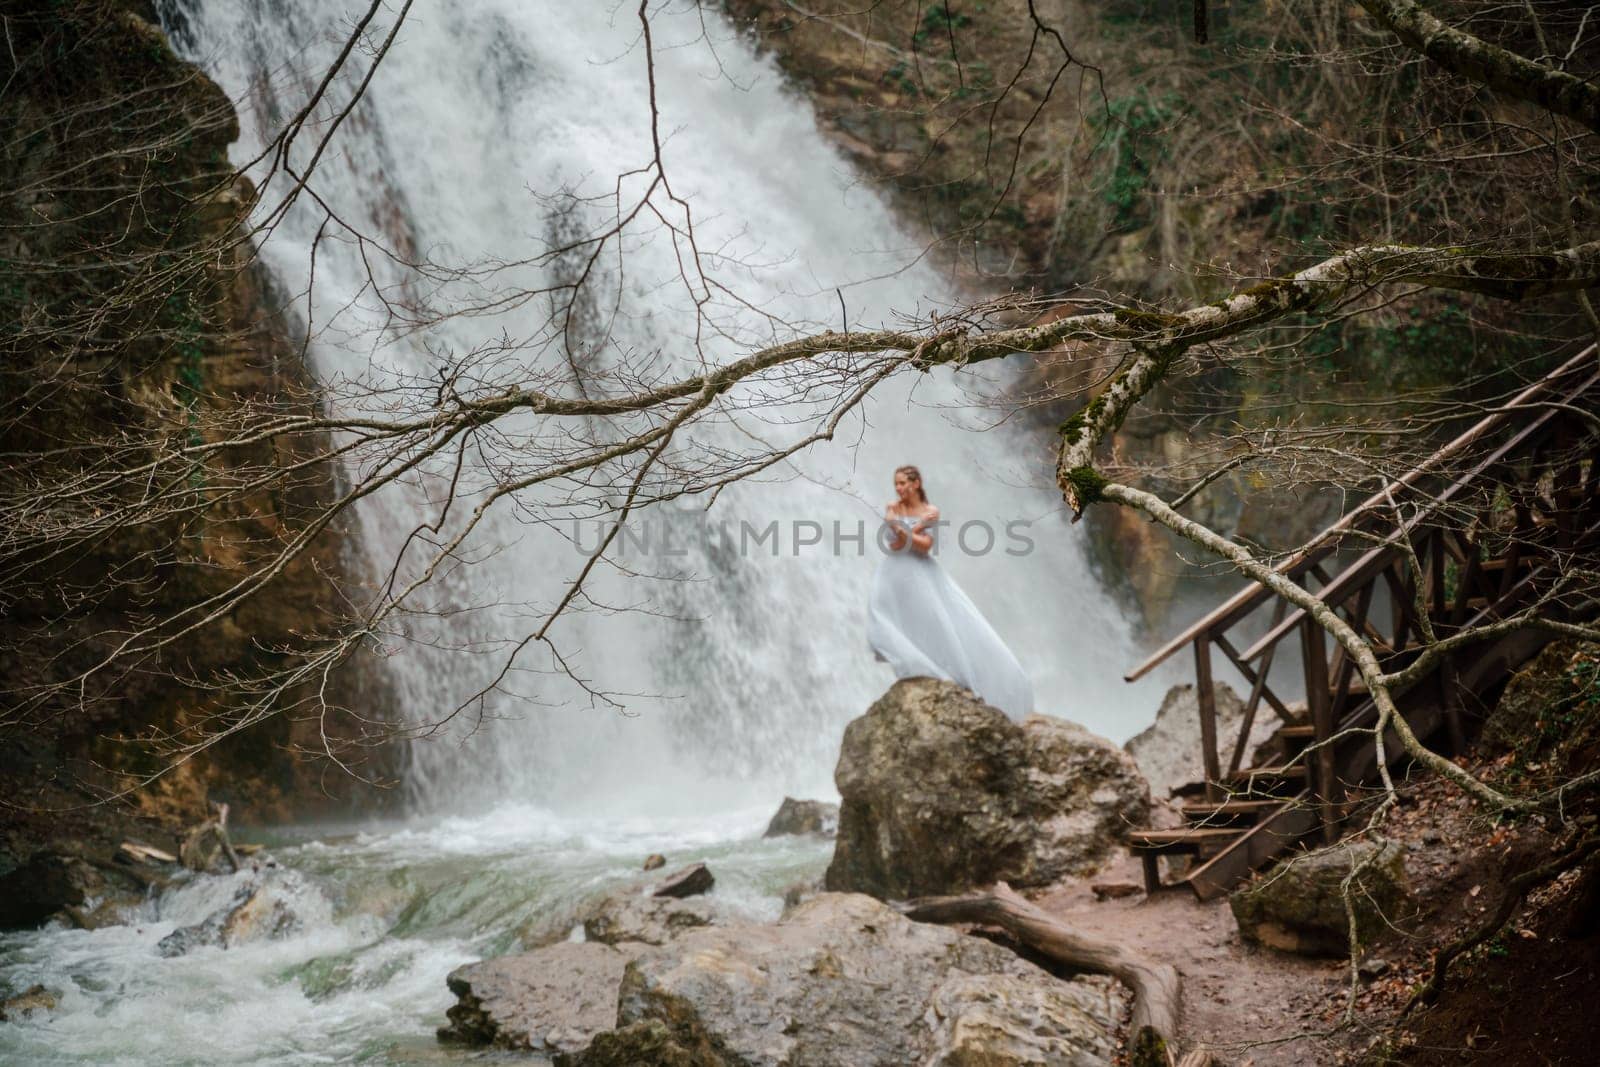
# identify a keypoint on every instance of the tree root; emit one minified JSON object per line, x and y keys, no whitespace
{"x":1156,"y":987}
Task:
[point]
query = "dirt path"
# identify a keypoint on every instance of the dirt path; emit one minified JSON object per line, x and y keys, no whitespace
{"x":1239,"y":1001}
{"x":1256,"y":1007}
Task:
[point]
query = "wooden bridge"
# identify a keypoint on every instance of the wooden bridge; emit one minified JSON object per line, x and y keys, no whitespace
{"x":1487,"y":526}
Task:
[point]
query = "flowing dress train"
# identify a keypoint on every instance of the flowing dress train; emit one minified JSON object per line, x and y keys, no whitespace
{"x":921,"y":623}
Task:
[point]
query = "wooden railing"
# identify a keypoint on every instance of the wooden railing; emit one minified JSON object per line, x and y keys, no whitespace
{"x":1478,"y":531}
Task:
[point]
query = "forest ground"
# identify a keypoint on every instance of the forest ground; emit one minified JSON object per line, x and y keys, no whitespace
{"x":1524,"y":998}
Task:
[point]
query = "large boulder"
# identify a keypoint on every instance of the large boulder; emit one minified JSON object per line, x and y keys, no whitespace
{"x":1298,"y":905}
{"x":1168,"y":750}
{"x":942,"y":792}
{"x":1546,"y":718}
{"x":553,"y":999}
{"x":842,"y":979}
{"x":60,"y":884}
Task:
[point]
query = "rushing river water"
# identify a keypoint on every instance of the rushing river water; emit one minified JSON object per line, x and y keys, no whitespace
{"x":383,"y":915}
{"x":746,"y":675}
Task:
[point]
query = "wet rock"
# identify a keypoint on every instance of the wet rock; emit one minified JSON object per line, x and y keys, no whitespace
{"x":651,"y":920}
{"x":553,"y":999}
{"x":255,"y":913}
{"x":655,"y":861}
{"x":36,"y":1000}
{"x":186,"y":939}
{"x":650,"y":1042}
{"x":943,"y":792}
{"x":260,"y":917}
{"x":1168,"y":751}
{"x":42,"y":886}
{"x":1297,"y":905}
{"x":689,"y":882}
{"x":803,"y":817}
{"x":800,"y":892}
{"x":51,"y":882}
{"x":843,"y":979}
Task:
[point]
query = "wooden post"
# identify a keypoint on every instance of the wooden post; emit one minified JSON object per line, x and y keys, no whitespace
{"x":1206,"y":694}
{"x":1450,"y":683}
{"x":1152,"y":872}
{"x":1436,"y":592}
{"x":1318,"y":701}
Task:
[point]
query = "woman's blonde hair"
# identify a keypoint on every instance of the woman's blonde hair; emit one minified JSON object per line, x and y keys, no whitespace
{"x":915,"y":475}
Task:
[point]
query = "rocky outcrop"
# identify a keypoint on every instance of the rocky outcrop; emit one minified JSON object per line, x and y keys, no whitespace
{"x":260,"y":910}
{"x":1168,"y":751}
{"x":59,"y":885}
{"x":843,"y":979}
{"x":651,"y":920}
{"x":1298,"y":905}
{"x":942,"y":792}
{"x":554,"y":999}
{"x":146,"y":323}
{"x":803,"y":817}
{"x":1545,"y":718}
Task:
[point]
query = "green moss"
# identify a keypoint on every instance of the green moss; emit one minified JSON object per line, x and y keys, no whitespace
{"x":1073,"y":428}
{"x":1088,"y":483}
{"x":1150,"y":320}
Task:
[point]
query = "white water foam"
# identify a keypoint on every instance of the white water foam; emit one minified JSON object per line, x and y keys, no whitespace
{"x":475,"y":110}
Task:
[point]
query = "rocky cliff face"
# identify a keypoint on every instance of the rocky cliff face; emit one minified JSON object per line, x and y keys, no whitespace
{"x":136,"y":327}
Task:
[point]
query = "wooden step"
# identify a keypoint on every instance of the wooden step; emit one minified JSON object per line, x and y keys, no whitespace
{"x":1299,"y":730}
{"x":1251,"y":849}
{"x":1293,"y":771}
{"x":1214,"y":814}
{"x":1494,"y":566}
{"x":1184,"y":839}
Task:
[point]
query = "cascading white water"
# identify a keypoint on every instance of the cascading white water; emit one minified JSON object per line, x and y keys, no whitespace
{"x":476,"y":109}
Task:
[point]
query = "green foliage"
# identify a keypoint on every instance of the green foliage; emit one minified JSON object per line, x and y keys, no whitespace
{"x":1133,"y":124}
{"x":899,"y":77}
{"x":939,"y":22}
{"x":1424,"y":347}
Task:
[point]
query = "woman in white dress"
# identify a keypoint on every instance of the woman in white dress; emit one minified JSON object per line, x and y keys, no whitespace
{"x":922,"y":624}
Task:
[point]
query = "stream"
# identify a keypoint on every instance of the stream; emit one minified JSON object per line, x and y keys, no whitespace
{"x":383,"y":913}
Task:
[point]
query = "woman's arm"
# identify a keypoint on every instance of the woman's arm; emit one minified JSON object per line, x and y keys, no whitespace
{"x":922,"y":534}
{"x":897,"y":538}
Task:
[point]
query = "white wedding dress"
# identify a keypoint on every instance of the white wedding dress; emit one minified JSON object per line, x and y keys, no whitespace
{"x":922,"y":624}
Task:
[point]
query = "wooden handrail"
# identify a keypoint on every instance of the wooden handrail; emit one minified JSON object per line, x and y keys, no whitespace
{"x":1380,"y":555}
{"x":1247,"y":599}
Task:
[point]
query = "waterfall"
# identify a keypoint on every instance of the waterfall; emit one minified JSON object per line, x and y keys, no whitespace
{"x":745,"y":674}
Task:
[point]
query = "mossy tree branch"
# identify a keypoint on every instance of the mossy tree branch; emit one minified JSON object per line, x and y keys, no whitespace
{"x":1489,"y":65}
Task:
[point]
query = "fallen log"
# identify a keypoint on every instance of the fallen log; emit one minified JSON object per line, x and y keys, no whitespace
{"x":1153,"y":1034}
{"x":139,"y":852}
